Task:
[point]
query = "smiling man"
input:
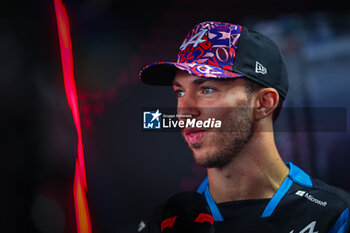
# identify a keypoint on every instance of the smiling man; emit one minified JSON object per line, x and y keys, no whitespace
{"x":228,"y":72}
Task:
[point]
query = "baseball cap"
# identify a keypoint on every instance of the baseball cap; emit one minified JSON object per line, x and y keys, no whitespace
{"x":224,"y":50}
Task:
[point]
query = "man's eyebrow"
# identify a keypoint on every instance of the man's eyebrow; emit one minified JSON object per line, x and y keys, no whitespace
{"x":176,"y":84}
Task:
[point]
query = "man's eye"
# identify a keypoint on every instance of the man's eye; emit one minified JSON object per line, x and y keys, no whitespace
{"x":208,"y":90}
{"x":179,"y":93}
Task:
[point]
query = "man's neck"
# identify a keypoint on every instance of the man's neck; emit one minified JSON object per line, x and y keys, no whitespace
{"x":256,"y":173}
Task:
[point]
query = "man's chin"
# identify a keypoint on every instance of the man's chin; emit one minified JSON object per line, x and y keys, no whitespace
{"x":208,"y":163}
{"x":209,"y":160}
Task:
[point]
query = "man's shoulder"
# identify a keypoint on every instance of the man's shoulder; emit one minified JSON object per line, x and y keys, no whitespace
{"x":340,"y":196}
{"x":316,"y":191}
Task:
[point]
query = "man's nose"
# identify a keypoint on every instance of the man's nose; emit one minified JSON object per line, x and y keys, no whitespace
{"x":187,"y":107}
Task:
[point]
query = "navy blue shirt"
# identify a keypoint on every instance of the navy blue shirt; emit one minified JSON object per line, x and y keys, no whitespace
{"x":301,"y":205}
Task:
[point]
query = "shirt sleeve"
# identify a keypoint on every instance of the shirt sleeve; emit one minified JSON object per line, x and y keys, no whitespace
{"x":341,"y":225}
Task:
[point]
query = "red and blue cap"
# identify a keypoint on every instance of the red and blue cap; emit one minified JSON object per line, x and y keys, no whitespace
{"x":223,"y":50}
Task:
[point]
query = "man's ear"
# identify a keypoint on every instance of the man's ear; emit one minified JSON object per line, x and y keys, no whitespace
{"x":265,"y":102}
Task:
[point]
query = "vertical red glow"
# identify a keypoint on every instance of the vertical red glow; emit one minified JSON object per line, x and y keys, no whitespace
{"x":80,"y":187}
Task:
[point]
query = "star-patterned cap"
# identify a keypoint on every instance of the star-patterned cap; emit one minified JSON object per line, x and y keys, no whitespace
{"x":223,"y":50}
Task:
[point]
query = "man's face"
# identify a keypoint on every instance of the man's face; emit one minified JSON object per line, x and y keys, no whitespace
{"x":226,"y":100}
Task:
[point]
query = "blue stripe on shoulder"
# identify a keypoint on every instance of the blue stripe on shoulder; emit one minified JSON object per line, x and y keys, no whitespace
{"x":299,"y":176}
{"x":203,"y":186}
{"x":295,"y":175}
{"x":287,"y":183}
{"x":342,"y":223}
{"x":212,"y":206}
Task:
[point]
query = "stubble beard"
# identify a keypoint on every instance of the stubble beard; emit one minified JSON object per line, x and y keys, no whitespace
{"x":229,"y":141}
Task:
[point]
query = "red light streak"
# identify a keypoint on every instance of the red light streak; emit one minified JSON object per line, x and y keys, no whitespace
{"x":80,"y":187}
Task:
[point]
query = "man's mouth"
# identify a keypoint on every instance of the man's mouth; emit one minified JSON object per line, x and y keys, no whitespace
{"x":194,"y":135}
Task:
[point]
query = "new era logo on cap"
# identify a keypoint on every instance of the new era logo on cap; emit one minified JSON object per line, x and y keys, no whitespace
{"x":260,"y":69}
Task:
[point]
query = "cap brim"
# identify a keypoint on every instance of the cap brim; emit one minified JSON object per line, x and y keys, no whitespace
{"x":163,"y":73}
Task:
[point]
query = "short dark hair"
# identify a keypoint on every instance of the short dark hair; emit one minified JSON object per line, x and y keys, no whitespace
{"x":252,"y":86}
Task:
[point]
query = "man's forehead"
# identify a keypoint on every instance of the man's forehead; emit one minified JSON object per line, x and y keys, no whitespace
{"x":184,"y":77}
{"x":193,"y":80}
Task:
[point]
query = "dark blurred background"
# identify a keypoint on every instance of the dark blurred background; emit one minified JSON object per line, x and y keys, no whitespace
{"x":130,"y":171}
